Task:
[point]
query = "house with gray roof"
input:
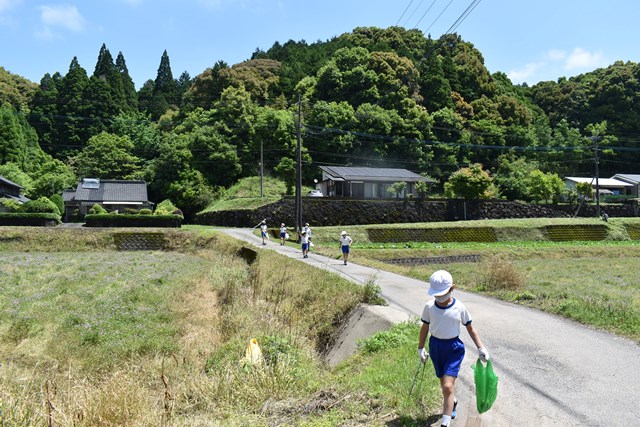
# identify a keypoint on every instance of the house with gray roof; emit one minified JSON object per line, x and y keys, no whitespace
{"x":11,"y":190}
{"x":633,"y":179}
{"x":366,"y":182}
{"x":111,"y":194}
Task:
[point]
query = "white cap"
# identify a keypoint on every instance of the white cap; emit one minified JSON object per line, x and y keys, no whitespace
{"x":439,"y":283}
{"x":343,"y":233}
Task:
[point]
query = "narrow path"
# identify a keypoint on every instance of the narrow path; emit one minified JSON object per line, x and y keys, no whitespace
{"x":553,"y":372}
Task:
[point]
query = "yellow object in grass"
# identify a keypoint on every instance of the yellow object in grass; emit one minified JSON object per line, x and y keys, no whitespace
{"x":253,"y":354}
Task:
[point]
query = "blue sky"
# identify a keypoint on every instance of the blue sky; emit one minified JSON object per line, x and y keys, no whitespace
{"x":530,"y":41}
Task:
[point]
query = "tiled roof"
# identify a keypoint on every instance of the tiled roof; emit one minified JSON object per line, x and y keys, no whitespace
{"x":372,"y":174}
{"x":113,"y":191}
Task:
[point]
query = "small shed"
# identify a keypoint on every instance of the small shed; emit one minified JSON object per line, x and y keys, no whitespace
{"x":111,"y":194}
{"x":366,"y":182}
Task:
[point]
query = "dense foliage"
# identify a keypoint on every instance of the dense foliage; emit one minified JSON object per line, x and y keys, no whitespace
{"x":373,"y":97}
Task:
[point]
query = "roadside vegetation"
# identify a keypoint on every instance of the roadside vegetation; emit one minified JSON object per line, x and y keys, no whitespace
{"x":93,"y":336}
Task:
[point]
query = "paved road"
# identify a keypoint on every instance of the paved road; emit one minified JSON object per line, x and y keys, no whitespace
{"x":552,"y":372}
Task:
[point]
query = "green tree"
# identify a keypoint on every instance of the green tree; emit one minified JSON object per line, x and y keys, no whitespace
{"x":207,"y":87}
{"x":128,"y":86}
{"x":44,"y":111}
{"x":72,"y":133}
{"x":13,"y":137}
{"x":107,"y":156}
{"x":165,"y":89}
{"x":143,"y":134}
{"x":286,"y":170}
{"x":545,"y":187}
{"x":512,"y":176}
{"x":52,"y":177}
{"x":172,"y":176}
{"x":397,"y":188}
{"x":469,"y":183}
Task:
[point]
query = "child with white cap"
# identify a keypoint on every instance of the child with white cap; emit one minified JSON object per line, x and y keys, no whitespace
{"x":442,"y":317}
{"x":345,"y":245}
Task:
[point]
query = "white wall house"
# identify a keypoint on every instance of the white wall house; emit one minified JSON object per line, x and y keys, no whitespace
{"x":605,"y":185}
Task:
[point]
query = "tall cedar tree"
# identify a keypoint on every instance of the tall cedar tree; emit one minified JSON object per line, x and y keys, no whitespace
{"x":131,"y":97}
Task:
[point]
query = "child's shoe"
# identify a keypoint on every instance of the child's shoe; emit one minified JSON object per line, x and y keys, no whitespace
{"x":455,"y":412}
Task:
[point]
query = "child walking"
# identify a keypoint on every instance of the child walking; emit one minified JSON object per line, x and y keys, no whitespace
{"x":263,"y":232}
{"x":283,"y":234}
{"x":442,"y":317}
{"x":305,"y":244}
{"x":345,"y":245}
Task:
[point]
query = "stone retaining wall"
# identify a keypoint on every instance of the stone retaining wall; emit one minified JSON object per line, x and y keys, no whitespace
{"x":330,"y":211}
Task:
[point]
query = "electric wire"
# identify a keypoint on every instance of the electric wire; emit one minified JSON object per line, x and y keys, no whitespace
{"x":405,"y":11}
{"x":463,"y":16}
{"x":424,"y":14}
{"x":438,"y":17}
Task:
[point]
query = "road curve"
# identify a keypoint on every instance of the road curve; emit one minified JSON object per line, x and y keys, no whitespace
{"x":552,"y":371}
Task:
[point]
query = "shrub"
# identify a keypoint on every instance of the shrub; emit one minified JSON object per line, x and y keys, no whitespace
{"x":41,"y":205}
{"x":131,"y":211}
{"x":145,"y":211}
{"x":9,"y":205}
{"x":97,"y":210}
{"x":57,"y":200}
{"x":500,"y":274}
{"x":165,"y":207}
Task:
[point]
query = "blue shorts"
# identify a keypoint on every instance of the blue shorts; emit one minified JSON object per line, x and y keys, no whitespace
{"x":282,"y":235}
{"x":305,"y":246}
{"x":263,"y":234}
{"x":446,"y":355}
{"x":345,"y":249}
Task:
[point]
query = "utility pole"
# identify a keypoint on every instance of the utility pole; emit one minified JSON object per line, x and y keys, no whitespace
{"x":597,"y":161}
{"x":261,"y":168}
{"x":299,"y":170}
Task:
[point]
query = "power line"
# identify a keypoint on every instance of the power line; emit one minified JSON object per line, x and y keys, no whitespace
{"x":438,"y":17}
{"x":414,"y":11}
{"x":424,"y":14}
{"x":463,"y":16}
{"x":405,"y":11}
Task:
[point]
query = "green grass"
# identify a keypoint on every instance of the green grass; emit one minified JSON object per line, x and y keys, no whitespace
{"x":92,"y":309}
{"x":245,"y":194}
{"x":158,"y":337}
{"x":593,"y":282}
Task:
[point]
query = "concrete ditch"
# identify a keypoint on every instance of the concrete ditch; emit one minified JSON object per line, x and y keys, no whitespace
{"x":364,"y":321}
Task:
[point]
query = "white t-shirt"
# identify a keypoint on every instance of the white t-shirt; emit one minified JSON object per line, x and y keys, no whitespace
{"x":308,"y":230}
{"x":283,"y":229}
{"x":444,"y":322}
{"x":263,"y":227}
{"x":304,"y":239}
{"x":345,"y":240}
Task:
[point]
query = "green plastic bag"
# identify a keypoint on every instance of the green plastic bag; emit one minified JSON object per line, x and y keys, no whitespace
{"x":486,"y":385}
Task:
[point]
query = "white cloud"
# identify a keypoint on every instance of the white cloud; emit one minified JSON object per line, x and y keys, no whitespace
{"x":525,"y":73}
{"x":8,"y":4}
{"x":582,"y":59}
{"x":556,"y":55}
{"x":63,"y":16}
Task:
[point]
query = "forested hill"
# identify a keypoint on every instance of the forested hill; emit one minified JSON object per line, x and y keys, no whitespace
{"x":378,"y":97}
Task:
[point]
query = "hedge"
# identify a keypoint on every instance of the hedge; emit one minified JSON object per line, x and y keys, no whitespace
{"x":126,"y":220}
{"x":29,"y":219}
